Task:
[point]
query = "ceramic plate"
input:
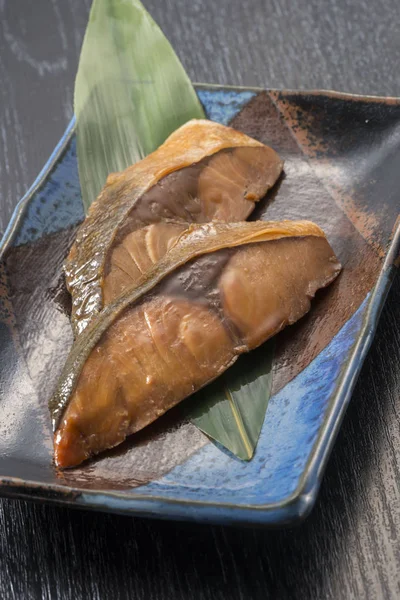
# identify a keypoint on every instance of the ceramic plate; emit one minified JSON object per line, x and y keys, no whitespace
{"x":342,"y":157}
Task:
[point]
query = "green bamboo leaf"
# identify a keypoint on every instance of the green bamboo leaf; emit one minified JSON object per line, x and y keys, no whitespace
{"x":131,"y":92}
{"x":232,"y":409}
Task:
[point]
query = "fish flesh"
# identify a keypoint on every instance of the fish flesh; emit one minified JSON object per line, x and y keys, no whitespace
{"x":221,"y":290}
{"x":203,"y":172}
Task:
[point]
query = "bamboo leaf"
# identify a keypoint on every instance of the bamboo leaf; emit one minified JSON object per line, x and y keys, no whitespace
{"x":231,"y":410}
{"x":131,"y":92}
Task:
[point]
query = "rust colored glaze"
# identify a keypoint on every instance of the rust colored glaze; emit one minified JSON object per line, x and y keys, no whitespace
{"x":301,"y":194}
{"x":203,"y":172}
{"x":7,"y":317}
{"x":352,"y":148}
{"x":183,"y":325}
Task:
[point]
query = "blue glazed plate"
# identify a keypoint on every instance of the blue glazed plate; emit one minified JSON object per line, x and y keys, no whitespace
{"x":341,"y":170}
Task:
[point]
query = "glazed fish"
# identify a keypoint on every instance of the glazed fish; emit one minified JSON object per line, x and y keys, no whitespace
{"x":221,"y":290}
{"x":203,"y":172}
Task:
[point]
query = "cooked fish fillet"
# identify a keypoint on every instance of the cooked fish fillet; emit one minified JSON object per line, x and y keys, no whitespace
{"x":221,"y":290}
{"x":203,"y":172}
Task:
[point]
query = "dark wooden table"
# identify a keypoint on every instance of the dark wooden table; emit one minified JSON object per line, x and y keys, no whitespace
{"x":349,"y":547}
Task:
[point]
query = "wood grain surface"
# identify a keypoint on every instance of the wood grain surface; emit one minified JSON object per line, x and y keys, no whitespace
{"x":349,"y":547}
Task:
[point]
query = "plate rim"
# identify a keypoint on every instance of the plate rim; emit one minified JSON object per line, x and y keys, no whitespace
{"x":300,"y":502}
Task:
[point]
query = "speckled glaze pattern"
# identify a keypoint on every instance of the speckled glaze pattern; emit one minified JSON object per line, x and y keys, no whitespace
{"x":223,"y":105}
{"x":57,"y":204}
{"x":340,"y":157}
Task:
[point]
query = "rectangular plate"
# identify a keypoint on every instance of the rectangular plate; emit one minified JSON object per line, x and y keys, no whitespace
{"x":341,"y":170}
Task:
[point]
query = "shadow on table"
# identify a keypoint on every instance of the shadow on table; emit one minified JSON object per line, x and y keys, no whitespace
{"x":342,"y":550}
